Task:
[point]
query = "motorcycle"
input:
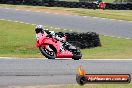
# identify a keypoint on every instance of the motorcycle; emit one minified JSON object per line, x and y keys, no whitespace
{"x":52,"y":48}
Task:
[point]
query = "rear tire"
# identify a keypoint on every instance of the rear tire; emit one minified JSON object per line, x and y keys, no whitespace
{"x":48,"y":54}
{"x":77,"y":54}
{"x":75,"y":57}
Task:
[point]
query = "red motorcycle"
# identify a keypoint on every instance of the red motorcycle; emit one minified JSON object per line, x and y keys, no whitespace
{"x":51,"y":48}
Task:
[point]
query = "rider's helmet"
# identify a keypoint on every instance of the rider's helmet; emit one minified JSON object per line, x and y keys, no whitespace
{"x":39,"y":29}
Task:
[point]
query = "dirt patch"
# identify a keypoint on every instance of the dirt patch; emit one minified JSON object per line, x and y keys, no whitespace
{"x":46,"y":10}
{"x":46,"y":86}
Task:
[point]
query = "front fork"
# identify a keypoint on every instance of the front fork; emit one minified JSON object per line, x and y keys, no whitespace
{"x":48,"y":47}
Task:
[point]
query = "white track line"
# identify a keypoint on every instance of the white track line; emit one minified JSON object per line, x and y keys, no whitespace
{"x":22,"y":22}
{"x":103,"y":18}
{"x":7,"y":8}
{"x":75,"y":15}
{"x":47,"y":12}
{"x":84,"y":16}
{"x":57,"y":28}
{"x":10,"y":20}
{"x":56,"y":13}
{"x":27,"y":10}
{"x":17,"y":21}
{"x":2,"y":19}
{"x":37,"y":11}
{"x":108,"y":19}
{"x":17,"y":9}
{"x":95,"y":17}
{"x":116,"y":37}
{"x":64,"y":29}
{"x":128,"y":38}
{"x":120,"y":20}
{"x":31,"y":24}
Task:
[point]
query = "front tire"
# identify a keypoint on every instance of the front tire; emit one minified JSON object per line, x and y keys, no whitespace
{"x":48,"y":54}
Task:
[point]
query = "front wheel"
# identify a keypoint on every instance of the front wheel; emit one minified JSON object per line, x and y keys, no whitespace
{"x":48,"y":54}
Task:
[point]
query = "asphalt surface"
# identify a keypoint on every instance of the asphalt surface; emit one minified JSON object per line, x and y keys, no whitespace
{"x":21,"y":72}
{"x":47,"y":72}
{"x":83,"y":24}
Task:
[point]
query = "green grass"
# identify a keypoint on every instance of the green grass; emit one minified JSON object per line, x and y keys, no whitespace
{"x":111,"y":14}
{"x":77,"y":86}
{"x":85,"y":86}
{"x":101,"y":86}
{"x":18,"y":40}
{"x":111,"y":48}
{"x":108,"y":1}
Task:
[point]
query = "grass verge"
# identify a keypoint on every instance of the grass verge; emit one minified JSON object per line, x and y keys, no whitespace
{"x":18,"y":40}
{"x":77,"y":86}
{"x":111,"y":14}
{"x":101,"y":86}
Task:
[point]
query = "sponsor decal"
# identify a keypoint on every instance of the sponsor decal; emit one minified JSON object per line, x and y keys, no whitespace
{"x":82,"y":78}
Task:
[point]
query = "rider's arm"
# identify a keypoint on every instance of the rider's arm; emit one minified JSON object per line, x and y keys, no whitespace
{"x":62,"y":39}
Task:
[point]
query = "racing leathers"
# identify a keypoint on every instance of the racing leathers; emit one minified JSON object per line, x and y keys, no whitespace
{"x":58,"y":36}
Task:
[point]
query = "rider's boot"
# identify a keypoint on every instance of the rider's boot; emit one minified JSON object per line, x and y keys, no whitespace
{"x":66,"y":45}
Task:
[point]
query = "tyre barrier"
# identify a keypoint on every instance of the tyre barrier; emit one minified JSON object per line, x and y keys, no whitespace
{"x":119,"y":6}
{"x":53,"y":3}
{"x":83,"y":40}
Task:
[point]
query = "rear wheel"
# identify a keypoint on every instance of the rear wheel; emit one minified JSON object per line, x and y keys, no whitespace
{"x":76,"y":54}
{"x":75,"y":57}
{"x":48,"y":54}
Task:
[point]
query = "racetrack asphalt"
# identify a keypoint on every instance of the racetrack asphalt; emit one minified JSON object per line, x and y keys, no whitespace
{"x":50,"y":72}
{"x":83,"y":24}
{"x":27,"y":72}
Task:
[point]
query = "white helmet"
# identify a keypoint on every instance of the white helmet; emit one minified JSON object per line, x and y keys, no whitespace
{"x":39,"y":26}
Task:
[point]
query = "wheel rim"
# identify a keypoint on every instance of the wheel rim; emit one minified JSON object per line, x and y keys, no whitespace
{"x":51,"y":53}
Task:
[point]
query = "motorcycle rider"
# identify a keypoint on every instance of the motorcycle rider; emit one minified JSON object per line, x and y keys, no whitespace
{"x":39,"y":31}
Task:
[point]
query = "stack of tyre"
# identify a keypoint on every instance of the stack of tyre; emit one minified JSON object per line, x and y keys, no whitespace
{"x":119,"y":6}
{"x":84,"y":40}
